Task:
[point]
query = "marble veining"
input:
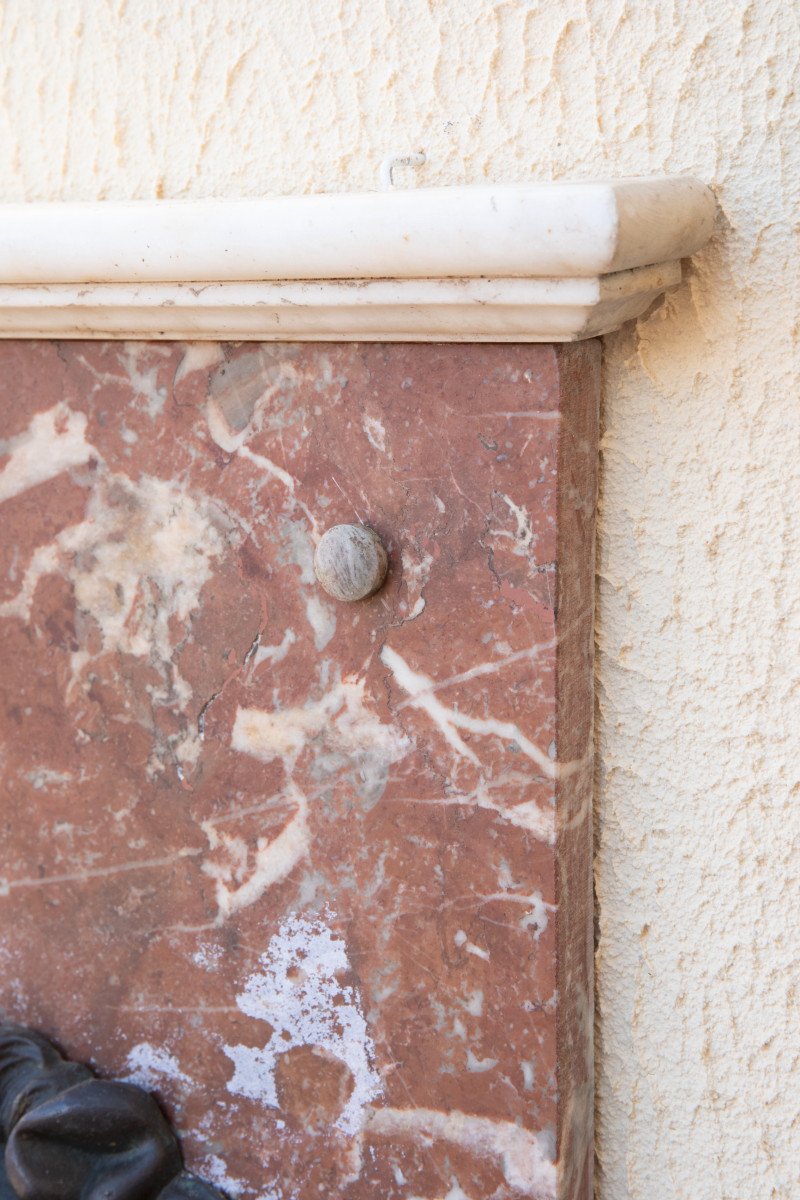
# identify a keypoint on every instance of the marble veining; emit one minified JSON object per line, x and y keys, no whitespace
{"x":316,"y":872}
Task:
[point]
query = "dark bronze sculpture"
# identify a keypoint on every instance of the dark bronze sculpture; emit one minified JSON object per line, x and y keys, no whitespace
{"x":66,"y":1135}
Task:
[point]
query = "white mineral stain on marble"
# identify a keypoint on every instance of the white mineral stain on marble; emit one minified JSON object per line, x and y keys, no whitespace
{"x":322,"y":619}
{"x":268,"y":467}
{"x":139,"y":559}
{"x":462,"y":941}
{"x":238,"y":883}
{"x":215,"y":1170}
{"x":137,"y":564}
{"x":523,"y":536}
{"x":54,"y":441}
{"x":226,"y":438}
{"x":340,"y":728}
{"x":473,"y":1003}
{"x":140,"y":371}
{"x":297,"y":547}
{"x":186,"y":749}
{"x":45,"y":779}
{"x":528,"y":1068}
{"x":479,"y":1066}
{"x":420,"y":690}
{"x":416,"y":572}
{"x":341,"y":718}
{"x":145,"y":377}
{"x":297,"y":991}
{"x":149,"y":1065}
{"x":527,"y":815}
{"x":199,"y":356}
{"x":525,"y":1158}
{"x":376,"y":433}
{"x":208,"y":956}
{"x":539,"y":915}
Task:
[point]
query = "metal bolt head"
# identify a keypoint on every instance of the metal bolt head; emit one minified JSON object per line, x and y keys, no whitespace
{"x":350,"y":562}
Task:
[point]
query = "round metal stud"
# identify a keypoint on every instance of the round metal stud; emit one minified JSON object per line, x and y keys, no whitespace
{"x":350,"y":562}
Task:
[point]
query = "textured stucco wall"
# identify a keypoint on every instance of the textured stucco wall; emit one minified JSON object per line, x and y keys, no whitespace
{"x":699,"y":603}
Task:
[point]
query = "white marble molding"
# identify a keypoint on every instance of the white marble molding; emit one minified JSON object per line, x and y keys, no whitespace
{"x":550,"y":262}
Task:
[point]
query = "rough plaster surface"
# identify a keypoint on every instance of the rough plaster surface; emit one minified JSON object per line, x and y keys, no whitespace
{"x":699,"y":605}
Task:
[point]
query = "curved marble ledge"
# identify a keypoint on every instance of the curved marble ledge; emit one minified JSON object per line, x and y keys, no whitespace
{"x":534,"y":262}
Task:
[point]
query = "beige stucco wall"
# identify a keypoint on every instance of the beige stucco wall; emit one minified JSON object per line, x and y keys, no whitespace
{"x":699,"y":601}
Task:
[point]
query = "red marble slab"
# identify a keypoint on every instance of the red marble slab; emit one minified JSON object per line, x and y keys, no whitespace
{"x":317,"y":873}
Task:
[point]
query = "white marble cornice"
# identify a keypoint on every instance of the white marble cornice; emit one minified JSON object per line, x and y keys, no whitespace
{"x":531,"y":262}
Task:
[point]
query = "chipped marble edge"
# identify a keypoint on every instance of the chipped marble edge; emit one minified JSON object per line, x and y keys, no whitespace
{"x":507,"y":309}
